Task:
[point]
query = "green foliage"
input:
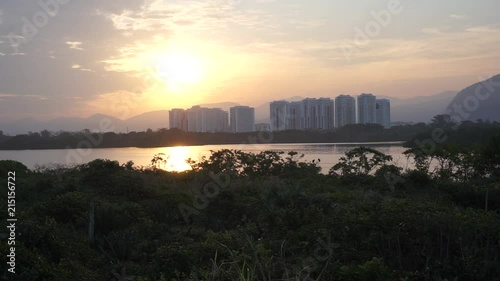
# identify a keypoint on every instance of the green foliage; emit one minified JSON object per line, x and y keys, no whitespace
{"x":360,"y":161}
{"x":374,"y":269}
{"x":236,"y":163}
{"x":12,"y":166}
{"x":276,"y":218}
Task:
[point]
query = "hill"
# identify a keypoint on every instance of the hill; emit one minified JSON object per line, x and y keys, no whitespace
{"x":478,"y":101}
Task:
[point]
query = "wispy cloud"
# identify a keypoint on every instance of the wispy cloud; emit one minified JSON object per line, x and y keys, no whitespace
{"x":104,"y":46}
{"x":75,"y":45}
{"x":458,"y":17}
{"x":195,"y":16}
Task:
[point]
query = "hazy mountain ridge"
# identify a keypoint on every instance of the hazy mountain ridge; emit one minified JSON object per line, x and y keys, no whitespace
{"x":478,"y":101}
{"x":416,"y":109}
{"x":420,"y":109}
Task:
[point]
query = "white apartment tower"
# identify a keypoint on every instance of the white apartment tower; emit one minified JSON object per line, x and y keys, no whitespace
{"x":242,"y":119}
{"x":310,"y":114}
{"x":326,"y":110}
{"x":279,"y":115}
{"x":383,"y":108}
{"x":178,"y":119}
{"x":295,"y":118}
{"x":345,"y":111}
{"x":207,"y":120}
{"x":367,"y":109}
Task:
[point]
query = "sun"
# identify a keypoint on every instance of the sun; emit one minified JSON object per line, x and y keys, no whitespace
{"x":178,"y":70}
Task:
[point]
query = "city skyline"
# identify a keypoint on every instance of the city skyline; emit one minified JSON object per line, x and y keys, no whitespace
{"x":328,"y":113}
{"x":132,"y":57}
{"x":199,"y":119}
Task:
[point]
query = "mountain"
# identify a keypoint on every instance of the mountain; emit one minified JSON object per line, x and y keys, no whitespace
{"x":222,"y":105}
{"x":97,"y":122}
{"x":417,"y":109}
{"x":478,"y":101}
{"x":149,"y":120}
{"x":20,"y":126}
{"x":421,"y":108}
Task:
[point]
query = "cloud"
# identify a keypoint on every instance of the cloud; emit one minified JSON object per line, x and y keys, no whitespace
{"x":74,"y":45}
{"x":458,"y":17}
{"x":195,"y":16}
{"x":110,"y":45}
{"x":430,"y":30}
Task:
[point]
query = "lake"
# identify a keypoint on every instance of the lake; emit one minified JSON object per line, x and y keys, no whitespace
{"x":328,"y":153}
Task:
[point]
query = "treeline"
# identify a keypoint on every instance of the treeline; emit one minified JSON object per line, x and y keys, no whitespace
{"x":443,"y":129}
{"x":174,"y":137}
{"x":465,"y":133}
{"x":263,"y":216}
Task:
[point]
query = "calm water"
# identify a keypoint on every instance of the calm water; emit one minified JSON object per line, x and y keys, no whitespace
{"x":329,"y":154}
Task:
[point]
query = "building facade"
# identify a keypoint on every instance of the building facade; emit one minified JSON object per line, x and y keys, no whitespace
{"x":295,"y":116}
{"x":345,"y":111}
{"x":206,"y":120}
{"x":278,"y":115}
{"x":367,"y":109}
{"x":308,"y":114}
{"x":242,"y":119}
{"x":178,"y":119}
{"x":383,"y":107}
{"x":326,"y":114}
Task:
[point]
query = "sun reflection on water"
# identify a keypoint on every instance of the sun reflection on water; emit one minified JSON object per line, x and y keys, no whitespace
{"x":177,"y":156}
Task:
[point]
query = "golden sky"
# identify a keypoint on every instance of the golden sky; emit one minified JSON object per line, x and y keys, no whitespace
{"x":124,"y":58}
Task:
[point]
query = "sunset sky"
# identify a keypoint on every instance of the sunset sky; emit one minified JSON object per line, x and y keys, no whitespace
{"x":122,"y":58}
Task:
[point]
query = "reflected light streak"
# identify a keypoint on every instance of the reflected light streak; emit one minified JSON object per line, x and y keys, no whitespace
{"x":177,"y":157}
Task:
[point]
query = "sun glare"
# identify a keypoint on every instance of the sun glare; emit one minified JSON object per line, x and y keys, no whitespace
{"x":179,"y":70}
{"x":177,"y":157}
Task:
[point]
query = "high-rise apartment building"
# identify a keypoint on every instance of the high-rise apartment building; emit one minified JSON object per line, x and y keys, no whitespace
{"x":207,"y":120}
{"x":178,"y":119}
{"x":279,"y":115}
{"x":326,"y":114}
{"x":367,"y":109}
{"x":295,"y":117}
{"x":242,"y":119}
{"x":345,"y":111}
{"x":308,"y":114}
{"x":383,"y":108}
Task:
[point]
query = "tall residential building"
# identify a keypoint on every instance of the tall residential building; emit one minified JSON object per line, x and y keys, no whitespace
{"x":345,"y":110}
{"x":318,"y":114}
{"x":311,"y":114}
{"x":242,"y":119}
{"x":178,"y":119}
{"x":278,"y":118}
{"x":194,"y":117}
{"x":384,"y":112}
{"x":295,"y":116}
{"x":326,"y":110}
{"x":308,"y":114}
{"x":207,"y":120}
{"x":367,"y":109}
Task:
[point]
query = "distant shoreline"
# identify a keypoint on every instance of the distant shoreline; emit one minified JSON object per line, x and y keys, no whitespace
{"x":381,"y":143}
{"x":352,"y":134}
{"x":467,"y":133}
